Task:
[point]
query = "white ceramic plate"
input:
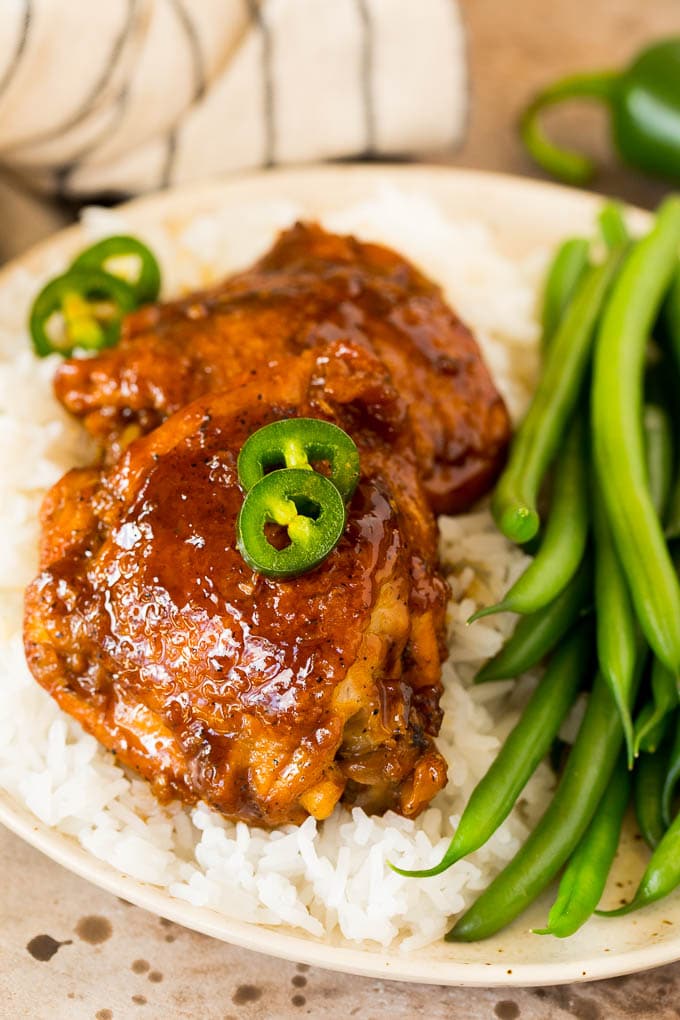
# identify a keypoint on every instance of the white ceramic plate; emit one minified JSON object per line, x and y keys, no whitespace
{"x":523,"y":215}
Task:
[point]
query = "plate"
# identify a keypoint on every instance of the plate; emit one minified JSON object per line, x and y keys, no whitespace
{"x":523,"y":215}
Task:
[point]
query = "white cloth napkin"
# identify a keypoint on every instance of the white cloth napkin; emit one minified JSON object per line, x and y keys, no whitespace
{"x":122,"y":96}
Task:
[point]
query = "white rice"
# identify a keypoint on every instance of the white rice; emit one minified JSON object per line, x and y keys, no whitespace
{"x":329,"y":879}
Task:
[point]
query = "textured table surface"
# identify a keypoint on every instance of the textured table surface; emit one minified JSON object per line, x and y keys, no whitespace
{"x":69,"y":951}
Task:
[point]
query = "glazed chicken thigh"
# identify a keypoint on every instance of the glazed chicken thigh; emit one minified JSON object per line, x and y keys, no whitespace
{"x":268,"y":699}
{"x":311,"y":290}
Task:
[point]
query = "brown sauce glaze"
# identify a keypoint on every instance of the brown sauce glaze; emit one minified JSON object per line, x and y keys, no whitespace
{"x":268,"y":699}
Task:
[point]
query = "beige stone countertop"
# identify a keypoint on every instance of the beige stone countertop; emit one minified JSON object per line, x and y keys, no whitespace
{"x":69,"y":951}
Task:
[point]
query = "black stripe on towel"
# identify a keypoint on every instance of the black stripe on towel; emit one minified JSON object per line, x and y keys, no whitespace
{"x":255,"y":11}
{"x":100,"y":85}
{"x":107,"y":70}
{"x":169,"y":160}
{"x":194,"y":44}
{"x":366,"y":71}
{"x":198,"y":91}
{"x":19,"y":48}
{"x":63,"y":173}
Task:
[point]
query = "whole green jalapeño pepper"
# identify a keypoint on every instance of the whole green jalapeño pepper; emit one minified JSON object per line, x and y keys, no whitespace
{"x":644,"y":104}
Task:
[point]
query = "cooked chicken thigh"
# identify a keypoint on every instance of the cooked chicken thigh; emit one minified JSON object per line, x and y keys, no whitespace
{"x":270,"y":700}
{"x":311,"y":290}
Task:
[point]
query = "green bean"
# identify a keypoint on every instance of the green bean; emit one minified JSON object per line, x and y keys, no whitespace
{"x":672,"y":776}
{"x":565,"y":273}
{"x":661,"y":876}
{"x":672,"y":333}
{"x":617,"y":433}
{"x":585,"y":876}
{"x":672,"y":515}
{"x":613,"y":225}
{"x":537,"y":634}
{"x":658,"y":455}
{"x":617,"y":636}
{"x":541,"y":432}
{"x":494,"y":796}
{"x":565,"y":537}
{"x":653,"y":737}
{"x":616,"y":627}
{"x":648,"y":777}
{"x":665,"y":700}
{"x":560,"y":830}
{"x":651,"y":724}
{"x":653,"y":720}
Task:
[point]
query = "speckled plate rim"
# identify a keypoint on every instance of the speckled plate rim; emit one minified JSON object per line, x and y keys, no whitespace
{"x":523,"y":214}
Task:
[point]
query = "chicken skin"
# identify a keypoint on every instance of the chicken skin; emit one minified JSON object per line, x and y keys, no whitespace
{"x":268,"y":699}
{"x":310,"y":290}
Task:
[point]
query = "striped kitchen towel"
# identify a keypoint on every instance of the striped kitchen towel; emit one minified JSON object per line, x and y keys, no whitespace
{"x":123,"y":96}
